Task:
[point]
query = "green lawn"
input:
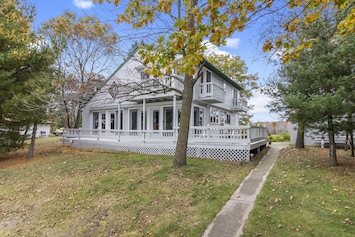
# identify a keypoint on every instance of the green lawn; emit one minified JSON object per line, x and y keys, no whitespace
{"x":73,"y":192}
{"x":304,"y":197}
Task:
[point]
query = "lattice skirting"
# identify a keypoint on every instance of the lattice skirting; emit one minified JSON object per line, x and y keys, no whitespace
{"x":224,"y":153}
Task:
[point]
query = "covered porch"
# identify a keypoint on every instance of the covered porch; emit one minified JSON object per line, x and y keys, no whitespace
{"x":221,"y":143}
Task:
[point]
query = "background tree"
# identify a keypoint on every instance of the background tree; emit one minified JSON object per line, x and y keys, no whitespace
{"x":33,"y":103}
{"x":86,"y":50}
{"x":304,"y":13}
{"x":234,"y":67}
{"x":316,"y":85}
{"x":22,"y":59}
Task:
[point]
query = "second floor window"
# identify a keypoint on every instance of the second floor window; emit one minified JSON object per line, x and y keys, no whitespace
{"x":235,"y":94}
{"x":206,"y":82}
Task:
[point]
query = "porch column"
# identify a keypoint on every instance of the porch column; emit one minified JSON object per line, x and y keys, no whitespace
{"x":237,"y":119}
{"x":174,"y":111}
{"x":107,"y":120}
{"x":143,"y":115}
{"x":174,"y":117}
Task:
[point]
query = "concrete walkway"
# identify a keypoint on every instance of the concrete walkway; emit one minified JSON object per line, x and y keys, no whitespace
{"x":230,"y":220}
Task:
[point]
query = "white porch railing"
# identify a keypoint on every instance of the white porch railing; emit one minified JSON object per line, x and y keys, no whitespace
{"x":211,"y":91}
{"x":220,"y":143}
{"x":240,"y":104}
{"x":206,"y":134}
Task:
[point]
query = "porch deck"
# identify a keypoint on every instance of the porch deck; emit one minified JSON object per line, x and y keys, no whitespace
{"x":222,"y":143}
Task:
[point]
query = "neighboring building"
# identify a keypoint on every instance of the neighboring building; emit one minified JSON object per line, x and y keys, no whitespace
{"x":43,"y":130}
{"x":153,"y":110}
{"x":314,"y":137}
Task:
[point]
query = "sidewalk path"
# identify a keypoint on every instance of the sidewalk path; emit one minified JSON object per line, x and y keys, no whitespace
{"x":230,"y":220}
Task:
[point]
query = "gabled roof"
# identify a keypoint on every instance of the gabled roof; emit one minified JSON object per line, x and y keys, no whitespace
{"x":221,"y":74}
{"x":205,"y":64}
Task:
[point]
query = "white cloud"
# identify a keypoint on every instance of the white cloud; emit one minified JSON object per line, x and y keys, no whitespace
{"x":84,"y":4}
{"x":211,"y":48}
{"x":259,"y":101}
{"x":260,"y":112}
{"x":233,"y":43}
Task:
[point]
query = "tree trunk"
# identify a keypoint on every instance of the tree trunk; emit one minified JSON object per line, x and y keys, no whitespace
{"x":78,"y":117}
{"x":350,"y":135}
{"x":352,"y":142}
{"x":33,"y":140}
{"x":67,"y":116}
{"x":300,"y":136}
{"x":182,"y":141}
{"x":332,"y":150}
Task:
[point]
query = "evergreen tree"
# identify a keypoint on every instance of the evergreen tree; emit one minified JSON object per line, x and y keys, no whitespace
{"x":22,"y":58}
{"x":317,"y":83}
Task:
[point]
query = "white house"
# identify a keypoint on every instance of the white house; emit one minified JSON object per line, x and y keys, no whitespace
{"x":137,"y":112}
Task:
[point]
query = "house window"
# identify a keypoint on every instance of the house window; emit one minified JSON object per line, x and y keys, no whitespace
{"x":208,"y":82}
{"x":121,"y":120}
{"x":134,"y":119}
{"x":201,"y":83}
{"x":155,"y":119}
{"x":228,"y":119}
{"x":112,"y":121}
{"x":200,"y":121}
{"x":235,"y":94}
{"x":214,"y":116}
{"x":95,"y":119}
{"x":198,"y":116}
{"x":103,"y":121}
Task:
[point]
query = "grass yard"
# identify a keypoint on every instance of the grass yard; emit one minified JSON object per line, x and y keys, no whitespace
{"x":304,"y":197}
{"x":80,"y":192}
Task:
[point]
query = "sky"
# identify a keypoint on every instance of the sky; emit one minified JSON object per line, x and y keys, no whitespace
{"x":244,"y":44}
